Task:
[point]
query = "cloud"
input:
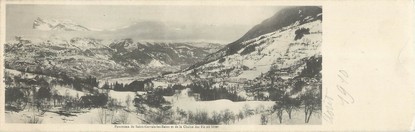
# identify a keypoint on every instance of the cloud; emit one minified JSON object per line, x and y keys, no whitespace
{"x":216,"y":23}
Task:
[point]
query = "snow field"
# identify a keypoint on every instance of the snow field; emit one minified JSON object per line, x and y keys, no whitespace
{"x":183,"y":101}
{"x":122,"y":96}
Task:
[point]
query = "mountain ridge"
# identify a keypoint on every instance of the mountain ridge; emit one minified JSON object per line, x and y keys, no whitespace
{"x":57,"y":25}
{"x":73,"y":56}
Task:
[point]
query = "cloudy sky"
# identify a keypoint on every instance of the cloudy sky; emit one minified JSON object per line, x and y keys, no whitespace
{"x":209,"y":23}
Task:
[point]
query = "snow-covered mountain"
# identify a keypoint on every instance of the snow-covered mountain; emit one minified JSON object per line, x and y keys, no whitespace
{"x":58,"y":25}
{"x":273,"y":50}
{"x":283,"y":19}
{"x":286,"y":46}
{"x":179,"y":54}
{"x":89,"y":56}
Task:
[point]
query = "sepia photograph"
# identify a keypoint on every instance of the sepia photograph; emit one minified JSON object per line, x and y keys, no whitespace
{"x":217,"y":65}
{"x":163,"y":64}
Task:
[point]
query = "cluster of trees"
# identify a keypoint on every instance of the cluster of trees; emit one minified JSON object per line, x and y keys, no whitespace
{"x":15,"y":99}
{"x":310,"y":100}
{"x":150,"y":100}
{"x":20,"y":91}
{"x":133,"y":86}
{"x":84,"y":84}
{"x":313,"y":68}
{"x":154,"y":107}
{"x":207,"y":93}
{"x":170,"y":90}
{"x":78,"y":83}
{"x":249,"y":49}
{"x":303,"y":91}
{"x":202,"y":117}
{"x":37,"y":93}
{"x":19,"y":97}
{"x":180,"y":116}
{"x":94,"y":100}
{"x":299,"y":33}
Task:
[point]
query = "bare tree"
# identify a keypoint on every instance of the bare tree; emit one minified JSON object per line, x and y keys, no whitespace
{"x":312,"y":102}
{"x":278,"y":107}
{"x":290,"y":104}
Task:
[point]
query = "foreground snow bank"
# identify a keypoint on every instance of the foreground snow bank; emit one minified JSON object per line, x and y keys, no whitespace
{"x":219,"y":105}
{"x":91,"y":116}
{"x":188,"y":103}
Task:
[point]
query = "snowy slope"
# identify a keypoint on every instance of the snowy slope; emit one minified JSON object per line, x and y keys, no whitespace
{"x":156,"y":63}
{"x":253,"y":63}
{"x":271,"y":47}
{"x":273,"y":50}
{"x":282,"y":20}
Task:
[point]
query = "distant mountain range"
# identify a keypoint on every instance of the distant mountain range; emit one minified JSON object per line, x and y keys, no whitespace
{"x":89,"y":56}
{"x":139,"y":30}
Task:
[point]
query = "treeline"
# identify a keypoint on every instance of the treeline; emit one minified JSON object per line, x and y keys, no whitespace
{"x":180,"y":116}
{"x":60,"y":78}
{"x":203,"y":89}
{"x":37,"y":93}
{"x":207,"y":92}
{"x":134,"y":86}
{"x":78,"y":83}
{"x":170,"y":90}
{"x":19,"y":98}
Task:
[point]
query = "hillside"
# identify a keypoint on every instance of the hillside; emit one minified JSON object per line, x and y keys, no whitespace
{"x":283,"y":19}
{"x":258,"y":61}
